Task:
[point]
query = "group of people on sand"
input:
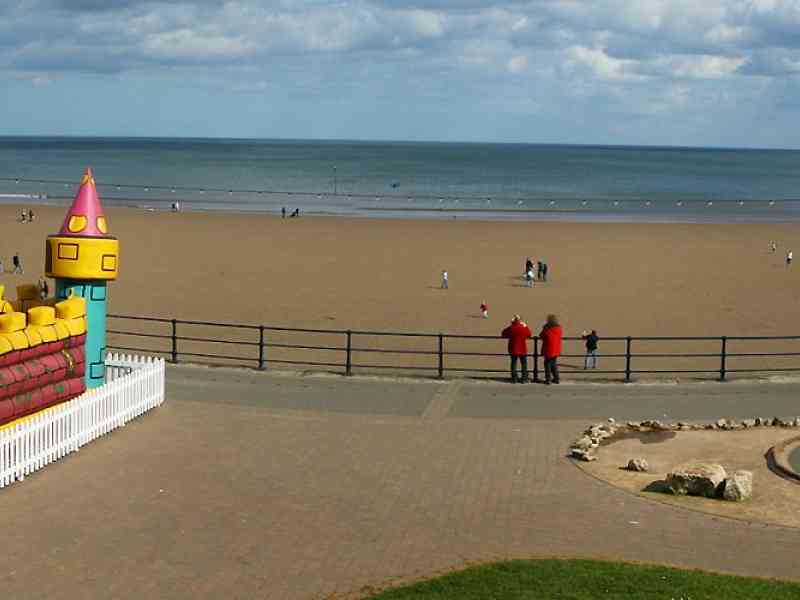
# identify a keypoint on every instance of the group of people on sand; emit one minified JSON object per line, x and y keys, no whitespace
{"x":295,"y":213}
{"x":789,"y":254}
{"x":530,"y":275}
{"x":26,"y":216}
{"x":518,"y":333}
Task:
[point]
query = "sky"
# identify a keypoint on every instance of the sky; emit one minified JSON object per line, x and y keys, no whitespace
{"x":655,"y":72}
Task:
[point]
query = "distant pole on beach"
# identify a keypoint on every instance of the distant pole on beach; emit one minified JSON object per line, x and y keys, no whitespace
{"x":335,"y":181}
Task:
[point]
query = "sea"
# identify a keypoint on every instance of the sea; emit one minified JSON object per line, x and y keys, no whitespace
{"x":425,"y":180}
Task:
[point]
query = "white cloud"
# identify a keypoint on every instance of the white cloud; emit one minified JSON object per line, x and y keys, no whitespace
{"x":600,"y":64}
{"x":696,"y":67}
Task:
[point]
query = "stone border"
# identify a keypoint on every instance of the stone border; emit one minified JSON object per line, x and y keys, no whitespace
{"x":778,"y":459}
{"x":585,"y":447}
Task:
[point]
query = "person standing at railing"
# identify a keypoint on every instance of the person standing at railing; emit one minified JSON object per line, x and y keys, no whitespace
{"x":590,"y":362}
{"x":551,"y":348}
{"x":518,"y":334}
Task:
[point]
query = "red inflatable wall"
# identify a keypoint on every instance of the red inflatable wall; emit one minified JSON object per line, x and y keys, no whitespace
{"x":38,"y":377}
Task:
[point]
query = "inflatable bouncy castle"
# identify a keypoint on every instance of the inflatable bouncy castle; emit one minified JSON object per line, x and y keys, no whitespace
{"x":83,"y":258}
{"x":53,"y":349}
{"x":42,"y":356}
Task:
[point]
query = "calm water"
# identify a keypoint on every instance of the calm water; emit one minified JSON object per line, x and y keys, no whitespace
{"x":495,"y":181}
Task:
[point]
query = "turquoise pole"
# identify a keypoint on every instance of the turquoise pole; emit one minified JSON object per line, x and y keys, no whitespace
{"x":95,"y":294}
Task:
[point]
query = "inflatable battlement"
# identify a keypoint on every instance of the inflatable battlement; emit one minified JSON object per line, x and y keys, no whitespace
{"x":42,"y":355}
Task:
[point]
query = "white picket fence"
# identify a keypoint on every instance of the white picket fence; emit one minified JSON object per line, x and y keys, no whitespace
{"x":134,"y":385}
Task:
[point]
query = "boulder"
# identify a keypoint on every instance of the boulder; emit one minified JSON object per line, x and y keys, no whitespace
{"x":696,"y":479}
{"x":637,"y":464}
{"x":584,"y":455}
{"x":612,"y":420}
{"x":635,"y":425}
{"x":738,"y":486}
{"x":748,"y":423}
{"x":583,"y":443}
{"x":721,"y":423}
{"x":796,"y":422}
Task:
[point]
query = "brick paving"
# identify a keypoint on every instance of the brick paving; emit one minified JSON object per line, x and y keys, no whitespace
{"x":247,"y":485}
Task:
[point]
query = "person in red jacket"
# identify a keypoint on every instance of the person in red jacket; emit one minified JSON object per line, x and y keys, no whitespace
{"x":518,"y":333}
{"x":551,"y":348}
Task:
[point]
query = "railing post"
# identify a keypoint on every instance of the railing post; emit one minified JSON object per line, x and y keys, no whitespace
{"x":723,"y":355}
{"x":348,"y":367}
{"x":441,"y":356}
{"x":174,"y":341}
{"x":628,"y":359}
{"x":535,"y":360}
{"x":261,"y":365}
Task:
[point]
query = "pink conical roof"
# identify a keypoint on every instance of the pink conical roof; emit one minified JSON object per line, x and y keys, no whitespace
{"x":86,"y":217}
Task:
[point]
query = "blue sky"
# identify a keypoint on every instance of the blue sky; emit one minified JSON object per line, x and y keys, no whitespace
{"x":673,"y":72}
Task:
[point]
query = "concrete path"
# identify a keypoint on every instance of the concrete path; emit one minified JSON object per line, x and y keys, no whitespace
{"x":247,"y":485}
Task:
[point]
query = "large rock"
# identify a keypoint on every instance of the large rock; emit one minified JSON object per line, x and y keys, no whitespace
{"x":583,"y":443}
{"x":585,"y":455}
{"x":638,"y":464}
{"x":738,"y":486}
{"x":696,"y":479}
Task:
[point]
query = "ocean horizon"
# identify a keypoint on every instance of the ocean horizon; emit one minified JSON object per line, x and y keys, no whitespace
{"x":409,"y":179}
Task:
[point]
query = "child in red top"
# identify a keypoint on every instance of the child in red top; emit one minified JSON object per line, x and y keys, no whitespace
{"x":485,"y":309}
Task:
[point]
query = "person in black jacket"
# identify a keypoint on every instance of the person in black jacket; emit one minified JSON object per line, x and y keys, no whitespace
{"x":590,"y":362}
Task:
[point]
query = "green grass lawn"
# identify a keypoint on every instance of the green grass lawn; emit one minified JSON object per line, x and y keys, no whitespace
{"x":588,"y":580}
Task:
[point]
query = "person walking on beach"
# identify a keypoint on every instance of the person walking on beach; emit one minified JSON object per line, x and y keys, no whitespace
{"x":444,"y":280}
{"x":789,"y":257}
{"x":529,"y":278}
{"x":528,"y":265}
{"x":17,"y":262}
{"x":544,"y":271}
{"x":283,"y":212}
{"x":518,"y":334}
{"x":539,"y":266}
{"x":484,"y":310}
{"x":551,"y":349}
{"x":44,"y":289}
{"x":23,"y":217}
{"x":590,"y":362}
{"x":30,"y":215}
{"x":773,"y":246}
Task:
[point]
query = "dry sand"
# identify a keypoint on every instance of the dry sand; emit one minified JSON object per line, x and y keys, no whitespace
{"x":622,"y":279}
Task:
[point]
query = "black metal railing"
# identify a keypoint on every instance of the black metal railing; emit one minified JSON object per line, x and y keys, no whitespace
{"x":440,"y":354}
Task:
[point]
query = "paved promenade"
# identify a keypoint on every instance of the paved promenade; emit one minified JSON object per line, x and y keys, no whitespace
{"x":247,"y":485}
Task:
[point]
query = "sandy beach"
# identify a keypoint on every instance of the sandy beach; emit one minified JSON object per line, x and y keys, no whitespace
{"x":384,"y":274}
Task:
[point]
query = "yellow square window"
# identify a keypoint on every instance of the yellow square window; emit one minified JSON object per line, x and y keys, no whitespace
{"x":109,"y":262}
{"x":68,"y":251}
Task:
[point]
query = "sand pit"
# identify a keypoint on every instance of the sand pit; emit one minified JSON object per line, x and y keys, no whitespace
{"x":775,"y":499}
